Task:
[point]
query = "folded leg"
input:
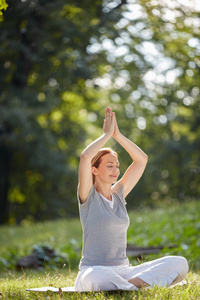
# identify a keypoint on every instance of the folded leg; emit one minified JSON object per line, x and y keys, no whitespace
{"x":100,"y":278}
{"x":162,"y":272}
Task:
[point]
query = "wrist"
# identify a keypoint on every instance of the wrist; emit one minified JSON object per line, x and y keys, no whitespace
{"x":117,"y":135}
{"x":107,"y":134}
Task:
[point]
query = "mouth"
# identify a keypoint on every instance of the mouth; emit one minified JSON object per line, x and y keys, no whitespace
{"x":113,"y":176}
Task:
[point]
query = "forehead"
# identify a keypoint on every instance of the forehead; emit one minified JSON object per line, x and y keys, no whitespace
{"x":110,"y":157}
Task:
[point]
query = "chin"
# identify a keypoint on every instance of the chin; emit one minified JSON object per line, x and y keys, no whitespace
{"x":113,"y":179}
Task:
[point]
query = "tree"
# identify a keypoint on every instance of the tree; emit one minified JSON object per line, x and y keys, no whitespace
{"x":3,"y":6}
{"x":63,"y":64}
{"x":153,"y":83}
{"x":45,"y":64}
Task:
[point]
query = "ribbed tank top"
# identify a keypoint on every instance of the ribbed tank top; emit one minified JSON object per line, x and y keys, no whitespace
{"x":104,"y":229}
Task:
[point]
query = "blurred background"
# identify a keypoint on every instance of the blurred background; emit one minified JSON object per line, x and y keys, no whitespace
{"x":62,"y":63}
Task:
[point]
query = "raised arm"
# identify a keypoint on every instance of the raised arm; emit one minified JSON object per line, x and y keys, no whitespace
{"x":136,"y":169}
{"x":85,"y":170}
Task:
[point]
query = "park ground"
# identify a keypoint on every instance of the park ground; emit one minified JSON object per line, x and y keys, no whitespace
{"x":178,"y":224}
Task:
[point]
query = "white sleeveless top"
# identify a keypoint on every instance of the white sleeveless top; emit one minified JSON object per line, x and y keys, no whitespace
{"x":104,"y":229}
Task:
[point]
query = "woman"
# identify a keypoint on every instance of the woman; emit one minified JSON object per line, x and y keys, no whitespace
{"x":104,"y":264}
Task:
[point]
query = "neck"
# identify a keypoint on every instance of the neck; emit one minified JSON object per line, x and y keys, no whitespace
{"x":103,"y":189}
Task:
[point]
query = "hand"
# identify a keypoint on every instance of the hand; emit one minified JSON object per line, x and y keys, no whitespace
{"x":116,"y":129}
{"x":108,"y":126}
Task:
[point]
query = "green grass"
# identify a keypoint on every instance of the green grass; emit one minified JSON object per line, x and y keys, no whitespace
{"x":13,"y":286}
{"x":53,"y":233}
{"x":178,"y":224}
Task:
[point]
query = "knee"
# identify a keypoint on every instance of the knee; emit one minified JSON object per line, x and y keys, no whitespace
{"x":181,"y":264}
{"x":92,"y":274}
{"x":94,"y":278}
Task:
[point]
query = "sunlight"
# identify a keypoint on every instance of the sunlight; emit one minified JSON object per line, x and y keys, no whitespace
{"x":134,"y":12}
{"x":141,"y":123}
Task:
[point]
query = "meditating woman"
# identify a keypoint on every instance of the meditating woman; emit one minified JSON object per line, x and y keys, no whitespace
{"x":104,"y":264}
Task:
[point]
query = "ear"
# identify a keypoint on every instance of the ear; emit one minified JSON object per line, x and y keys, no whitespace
{"x":94,"y":170}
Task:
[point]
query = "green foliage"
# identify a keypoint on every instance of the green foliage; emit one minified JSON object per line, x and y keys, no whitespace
{"x":67,"y":256}
{"x":3,"y":6}
{"x":8,"y":261}
{"x":44,"y":64}
{"x":63,"y":236}
{"x":63,"y":63}
{"x":178,"y":224}
{"x":158,"y":103}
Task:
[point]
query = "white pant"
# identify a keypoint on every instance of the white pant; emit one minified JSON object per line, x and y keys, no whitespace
{"x":161,"y":272}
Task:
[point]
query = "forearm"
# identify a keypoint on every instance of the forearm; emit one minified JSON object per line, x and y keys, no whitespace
{"x":133,"y":150}
{"x":91,"y":150}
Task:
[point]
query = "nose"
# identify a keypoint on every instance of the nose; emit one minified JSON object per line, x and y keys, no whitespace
{"x":116,"y":170}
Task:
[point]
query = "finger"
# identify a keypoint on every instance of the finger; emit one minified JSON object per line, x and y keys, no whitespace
{"x":108,"y":114}
{"x":114,"y":119}
{"x":109,"y":109}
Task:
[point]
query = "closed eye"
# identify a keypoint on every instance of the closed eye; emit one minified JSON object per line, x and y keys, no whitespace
{"x":113,"y":166}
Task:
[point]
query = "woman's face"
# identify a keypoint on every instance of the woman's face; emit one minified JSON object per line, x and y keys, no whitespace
{"x":108,"y":169}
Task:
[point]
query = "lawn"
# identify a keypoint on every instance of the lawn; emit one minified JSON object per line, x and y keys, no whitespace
{"x":177,"y":224}
{"x":13,"y":286}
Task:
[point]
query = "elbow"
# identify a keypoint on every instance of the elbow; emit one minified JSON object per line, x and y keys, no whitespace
{"x":142,"y":161}
{"x":146,"y":159}
{"x":84,"y":156}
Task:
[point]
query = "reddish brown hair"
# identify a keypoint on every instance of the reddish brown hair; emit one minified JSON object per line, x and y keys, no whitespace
{"x":97,"y":158}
